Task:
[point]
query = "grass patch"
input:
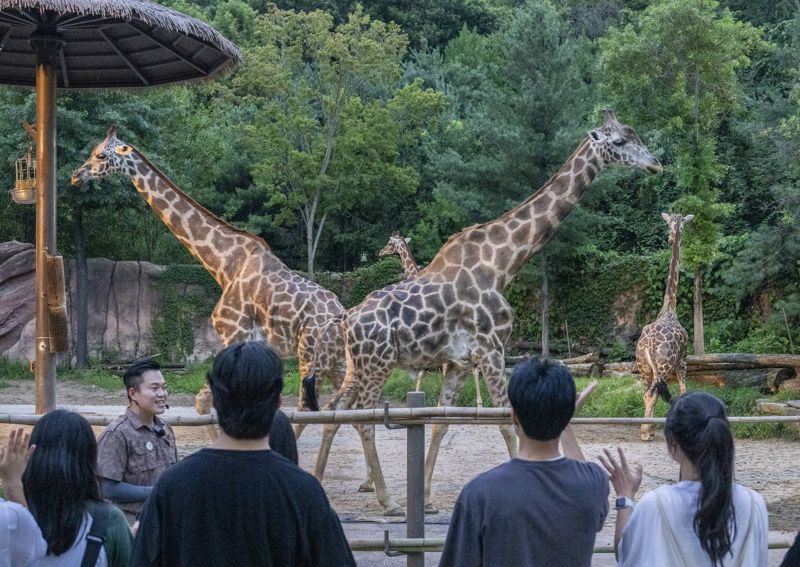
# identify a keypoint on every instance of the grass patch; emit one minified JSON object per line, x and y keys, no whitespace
{"x":13,"y":371}
{"x":614,"y":397}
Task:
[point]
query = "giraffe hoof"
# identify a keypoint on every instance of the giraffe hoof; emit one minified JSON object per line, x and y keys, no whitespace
{"x":394,"y":510}
{"x":646,"y":437}
{"x":431,"y":509}
{"x":367,"y":486}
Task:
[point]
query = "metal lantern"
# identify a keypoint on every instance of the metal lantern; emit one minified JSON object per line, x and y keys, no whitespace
{"x":24,"y":191}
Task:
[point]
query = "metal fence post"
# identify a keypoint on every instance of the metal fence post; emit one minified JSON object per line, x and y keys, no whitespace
{"x":415,"y":487}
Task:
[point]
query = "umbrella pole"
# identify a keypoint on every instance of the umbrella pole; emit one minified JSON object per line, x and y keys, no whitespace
{"x":47,"y":47}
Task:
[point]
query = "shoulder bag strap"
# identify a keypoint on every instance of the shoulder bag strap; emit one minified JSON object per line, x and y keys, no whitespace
{"x":96,"y":535}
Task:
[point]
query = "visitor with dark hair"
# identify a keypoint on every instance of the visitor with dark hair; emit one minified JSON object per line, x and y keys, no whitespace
{"x":238,"y":502}
{"x":704,"y":519}
{"x":545,"y":506}
{"x":21,"y":543}
{"x":60,"y":484}
{"x":138,"y":446}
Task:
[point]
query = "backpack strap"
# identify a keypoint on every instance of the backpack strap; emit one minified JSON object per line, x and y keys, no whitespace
{"x":96,"y":535}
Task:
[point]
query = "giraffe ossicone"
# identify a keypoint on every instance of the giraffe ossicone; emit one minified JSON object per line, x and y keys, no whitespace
{"x":262,"y":299}
{"x":661,"y":348}
{"x":453,"y":311}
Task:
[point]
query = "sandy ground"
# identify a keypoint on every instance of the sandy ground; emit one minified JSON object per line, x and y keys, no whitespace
{"x":768,"y":466}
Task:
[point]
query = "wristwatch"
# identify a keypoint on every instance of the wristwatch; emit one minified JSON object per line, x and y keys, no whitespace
{"x":624,"y":502}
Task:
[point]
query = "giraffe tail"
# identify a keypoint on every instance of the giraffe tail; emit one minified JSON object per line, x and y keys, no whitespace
{"x":663,"y":390}
{"x":310,"y":392}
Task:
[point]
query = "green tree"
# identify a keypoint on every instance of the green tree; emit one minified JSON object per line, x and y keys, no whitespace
{"x":674,"y":68}
{"x":331,"y":132}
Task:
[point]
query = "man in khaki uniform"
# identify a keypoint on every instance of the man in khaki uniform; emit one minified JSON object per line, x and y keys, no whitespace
{"x":138,"y":446}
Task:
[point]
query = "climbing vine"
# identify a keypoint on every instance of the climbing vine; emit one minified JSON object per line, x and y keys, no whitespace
{"x":188,"y":292}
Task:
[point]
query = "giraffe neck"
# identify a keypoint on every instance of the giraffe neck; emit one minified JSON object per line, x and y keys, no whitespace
{"x":495,"y":251}
{"x":409,"y":264}
{"x":671,"y":292}
{"x":210,"y":240}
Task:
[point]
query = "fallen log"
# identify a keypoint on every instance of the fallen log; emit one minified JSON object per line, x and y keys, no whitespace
{"x":758,"y":360}
{"x":765,"y":379}
{"x":590,"y":357}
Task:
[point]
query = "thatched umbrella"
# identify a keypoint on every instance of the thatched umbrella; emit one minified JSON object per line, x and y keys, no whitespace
{"x":92,"y":44}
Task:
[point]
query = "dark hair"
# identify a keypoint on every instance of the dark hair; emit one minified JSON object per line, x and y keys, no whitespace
{"x":697,"y":422}
{"x":133,"y":375}
{"x":246,"y":382}
{"x":61,"y":477}
{"x":543,"y":397}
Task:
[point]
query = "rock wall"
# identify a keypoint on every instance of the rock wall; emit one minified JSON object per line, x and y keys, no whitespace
{"x":122,"y":303}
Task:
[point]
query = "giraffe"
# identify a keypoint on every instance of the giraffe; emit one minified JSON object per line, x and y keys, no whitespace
{"x":399,"y":245}
{"x":453,"y":311}
{"x":661,"y":349}
{"x":261,"y":297}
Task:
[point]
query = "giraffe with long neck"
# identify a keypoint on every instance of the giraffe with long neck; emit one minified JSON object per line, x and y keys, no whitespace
{"x":661,"y":349}
{"x":262,"y":299}
{"x":399,"y":245}
{"x":453,"y":311}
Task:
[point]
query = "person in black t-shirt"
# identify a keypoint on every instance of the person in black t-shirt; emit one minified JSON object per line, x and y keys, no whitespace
{"x":238,"y":502}
{"x":543,"y":507}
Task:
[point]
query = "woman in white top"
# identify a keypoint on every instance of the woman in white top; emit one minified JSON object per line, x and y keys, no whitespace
{"x":705,"y":519}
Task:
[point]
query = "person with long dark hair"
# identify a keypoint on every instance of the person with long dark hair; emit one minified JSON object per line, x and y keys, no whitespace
{"x":704,"y":519}
{"x":61,"y":488}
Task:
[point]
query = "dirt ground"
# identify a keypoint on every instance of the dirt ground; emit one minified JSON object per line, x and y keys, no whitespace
{"x":768,"y":466}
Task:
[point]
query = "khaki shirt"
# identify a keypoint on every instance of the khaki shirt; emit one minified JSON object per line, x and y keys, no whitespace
{"x":130,"y":451}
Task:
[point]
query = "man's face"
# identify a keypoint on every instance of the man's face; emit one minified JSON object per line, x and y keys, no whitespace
{"x":151,"y":395}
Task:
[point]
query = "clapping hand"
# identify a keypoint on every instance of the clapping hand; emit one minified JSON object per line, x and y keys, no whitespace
{"x":626,"y":481}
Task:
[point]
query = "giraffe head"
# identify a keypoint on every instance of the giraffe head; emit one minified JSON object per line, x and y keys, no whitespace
{"x":395,"y":245}
{"x":618,"y":143}
{"x":109,"y":156}
{"x":676,"y":223}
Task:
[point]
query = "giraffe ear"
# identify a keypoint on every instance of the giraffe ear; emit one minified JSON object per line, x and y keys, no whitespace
{"x":597,"y":135}
{"x":688,"y":218}
{"x":407,"y":239}
{"x":123,"y":150}
{"x":665,"y":216}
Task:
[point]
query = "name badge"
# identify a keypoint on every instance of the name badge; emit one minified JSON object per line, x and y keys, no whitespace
{"x":149,"y":446}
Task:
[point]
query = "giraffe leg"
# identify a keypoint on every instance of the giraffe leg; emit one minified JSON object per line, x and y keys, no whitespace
{"x":682,"y":375}
{"x":650,"y":399}
{"x":452,"y":383}
{"x":202,"y":404}
{"x":477,"y":375}
{"x":343,"y":399}
{"x":493,"y":369}
{"x":367,"y":434}
{"x":328,"y":433}
{"x":420,"y":374}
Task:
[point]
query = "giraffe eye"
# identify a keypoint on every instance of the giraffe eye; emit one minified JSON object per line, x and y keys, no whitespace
{"x":619,"y":142}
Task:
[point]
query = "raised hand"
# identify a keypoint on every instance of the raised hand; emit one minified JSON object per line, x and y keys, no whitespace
{"x":626,"y":481}
{"x":584,"y":395}
{"x":13,"y":458}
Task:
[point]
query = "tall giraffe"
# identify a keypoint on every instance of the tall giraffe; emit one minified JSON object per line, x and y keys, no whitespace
{"x":261,"y":297}
{"x":661,"y":350}
{"x":399,"y":245}
{"x":454,"y":312}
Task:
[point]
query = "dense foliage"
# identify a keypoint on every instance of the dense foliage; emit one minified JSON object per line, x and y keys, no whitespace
{"x":350,"y":120}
